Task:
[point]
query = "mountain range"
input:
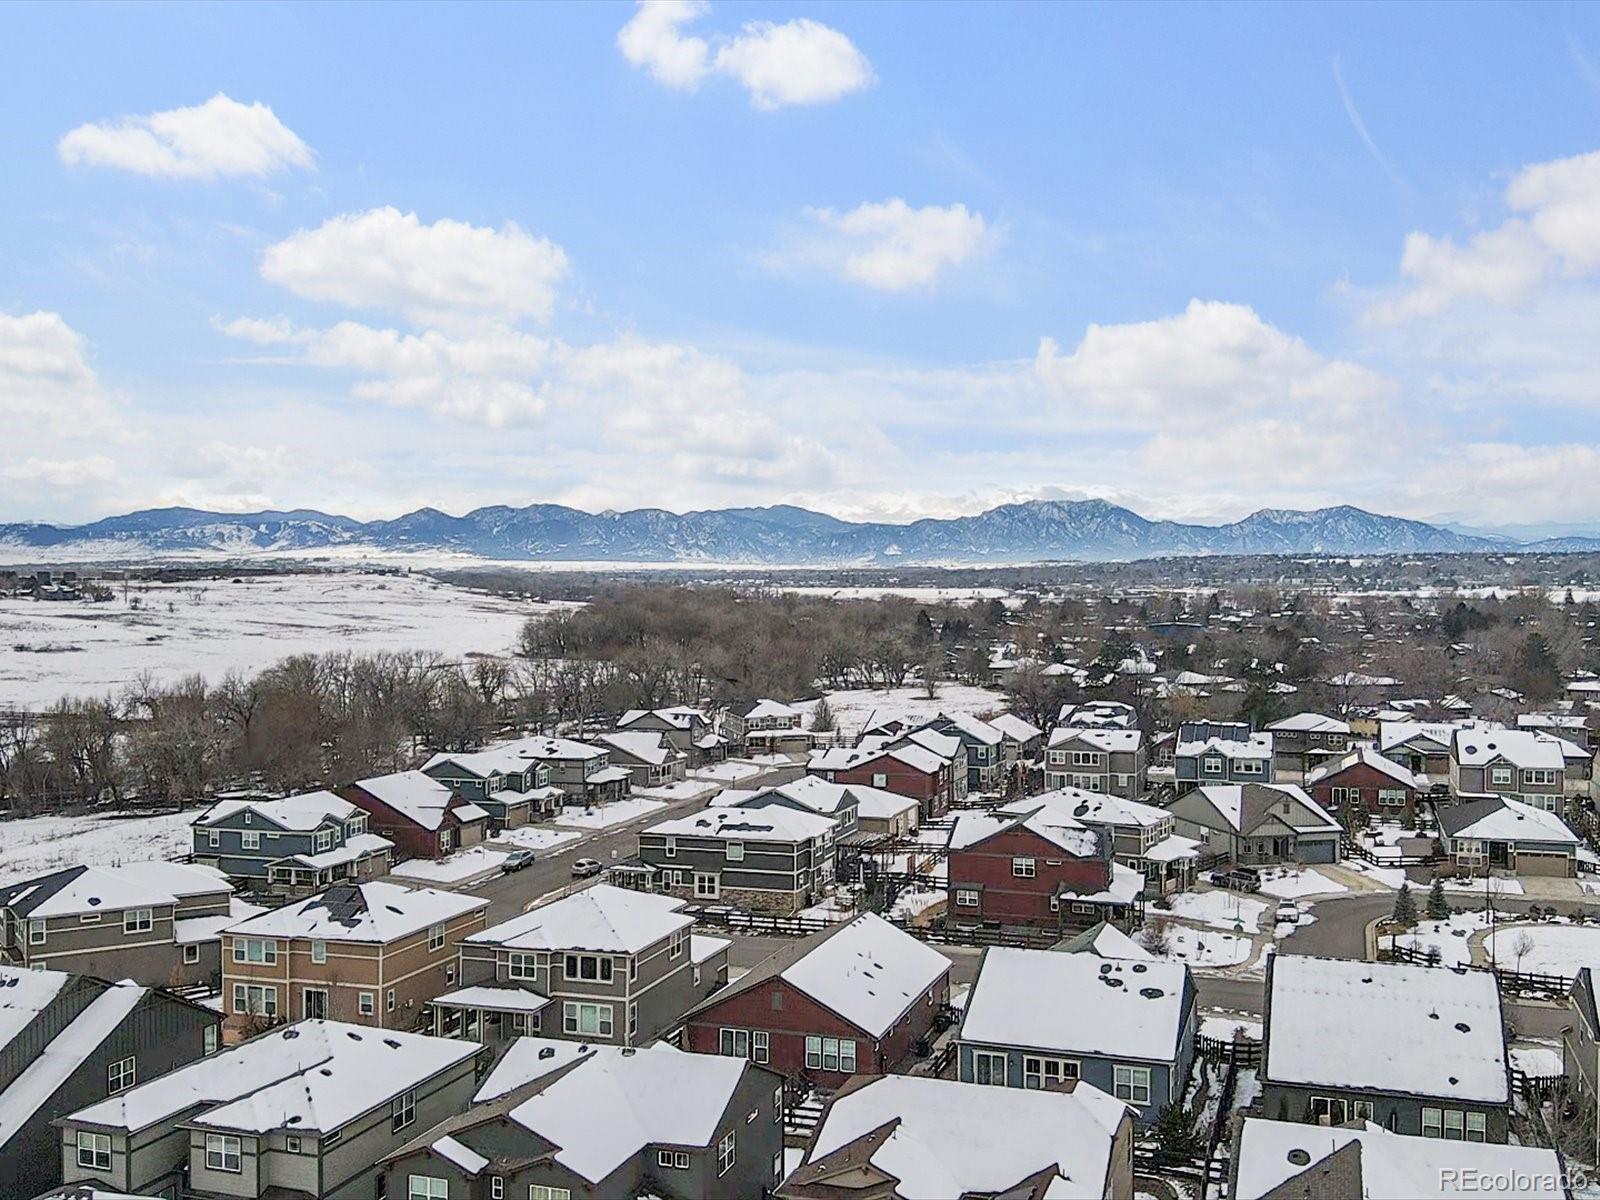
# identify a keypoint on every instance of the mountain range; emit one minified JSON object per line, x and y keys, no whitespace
{"x":1034,"y":531}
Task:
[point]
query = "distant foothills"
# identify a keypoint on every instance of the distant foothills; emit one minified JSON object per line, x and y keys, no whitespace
{"x":1035,"y":531}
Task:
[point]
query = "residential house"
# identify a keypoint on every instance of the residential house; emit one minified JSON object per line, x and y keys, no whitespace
{"x":909,"y":770}
{"x":1515,"y":764}
{"x":1021,"y":743}
{"x":309,"y":1109}
{"x":505,"y":781}
{"x":984,"y":744}
{"x":584,"y":772}
{"x":1423,"y":748}
{"x":1143,"y":837}
{"x":1580,"y":1048}
{"x":771,"y":859}
{"x":69,"y":1040}
{"x":1220,"y":752}
{"x":810,"y":793}
{"x":882,"y":813}
{"x":854,"y":999}
{"x":773,"y":727}
{"x":1043,"y":870}
{"x":615,"y":966}
{"x":1258,"y":824}
{"x":1104,"y":941}
{"x":423,"y":817}
{"x":1097,"y":760}
{"x":1420,"y":1050}
{"x":1496,"y":834}
{"x":650,"y":757}
{"x":948,"y":748}
{"x":367,"y":953}
{"x":1366,"y":786}
{"x":1138,"y":1047}
{"x":904,"y":1137}
{"x":690,"y":730}
{"x":1286,"y":1160}
{"x":558,"y":1121}
{"x":293,"y":846}
{"x":1304,"y":742}
{"x":1098,"y":714}
{"x":155,"y":923}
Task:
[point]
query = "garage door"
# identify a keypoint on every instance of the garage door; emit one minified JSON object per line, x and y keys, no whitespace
{"x":1531,"y":862}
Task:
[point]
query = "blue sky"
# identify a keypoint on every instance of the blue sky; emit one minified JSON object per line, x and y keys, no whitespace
{"x":886,"y":261}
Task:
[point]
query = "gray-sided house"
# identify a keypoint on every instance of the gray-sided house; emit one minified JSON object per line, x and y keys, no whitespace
{"x":810,"y":793}
{"x":559,"y":1121}
{"x":1497,"y":834}
{"x":1514,"y":764}
{"x":1142,"y":836}
{"x":1258,"y":824}
{"x":613,"y":965}
{"x":70,"y":1040}
{"x":1305,"y":741}
{"x":305,"y":1110}
{"x":1221,"y":752}
{"x":1138,"y":1045}
{"x":505,"y":781}
{"x":1419,"y":1050}
{"x":1022,"y":743}
{"x":772,"y":727}
{"x":690,"y":730}
{"x":1580,"y":1046}
{"x":156,"y":923}
{"x":1421,"y":747}
{"x":584,"y":772}
{"x":291,"y":847}
{"x":904,"y":1137}
{"x":1097,"y":760}
{"x":985,"y":747}
{"x":771,"y":859}
{"x":651,"y":758}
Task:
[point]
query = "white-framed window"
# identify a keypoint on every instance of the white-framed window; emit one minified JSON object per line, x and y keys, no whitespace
{"x":319,"y":951}
{"x":36,"y":931}
{"x":591,"y":1019}
{"x":1131,"y":1084}
{"x":255,"y":950}
{"x":1250,"y":766}
{"x":966,"y":898}
{"x":427,"y":1187}
{"x":597,"y":968}
{"x":539,"y":1191}
{"x":734,"y":851}
{"x":249,"y":839}
{"x":831,"y":1054}
{"x":707,"y":886}
{"x":1213,"y":765}
{"x":213,"y":838}
{"x":1085,"y":758}
{"x":672,"y":847}
{"x":1500,"y":775}
{"x":633,"y":1019}
{"x":1538,"y":777}
{"x":210,"y":1041}
{"x":137,"y":920}
{"x":402,"y":1111}
{"x":1082,"y":909}
{"x":676,"y":1160}
{"x":260,"y":1000}
{"x":191,"y":953}
{"x":1392,"y":797}
{"x":521,"y":965}
{"x":324,"y":840}
{"x":734,"y":1042}
{"x":759,"y":1045}
{"x":435,"y":937}
{"x":120,"y":1076}
{"x":725,"y":1153}
{"x":389,"y":1001}
{"x":880,"y":780}
{"x":94,"y":1151}
{"x":1041,"y":1072}
{"x":1023,"y":868}
{"x":777,"y":1165}
{"x":291,"y":1143}
{"x":364,"y":1004}
{"x":680,"y":940}
{"x":1432,"y":1122}
{"x":223,"y":1153}
{"x":989,"y":1067}
{"x":1477,"y":1127}
{"x":497,"y":1187}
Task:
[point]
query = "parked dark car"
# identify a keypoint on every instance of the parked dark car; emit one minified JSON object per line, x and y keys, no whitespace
{"x":1237,"y":879}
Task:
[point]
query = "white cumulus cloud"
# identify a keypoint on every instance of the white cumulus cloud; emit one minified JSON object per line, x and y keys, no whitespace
{"x":891,"y":246}
{"x":221,"y":137}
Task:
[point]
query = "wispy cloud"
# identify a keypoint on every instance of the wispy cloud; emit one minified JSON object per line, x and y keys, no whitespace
{"x":1359,"y":124}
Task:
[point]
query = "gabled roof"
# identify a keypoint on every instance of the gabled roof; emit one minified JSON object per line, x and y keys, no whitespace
{"x":842,"y":758}
{"x":679,"y":717}
{"x":1090,"y":808}
{"x":109,"y":889}
{"x":1241,"y":807}
{"x":772,"y":708}
{"x":931,"y":740}
{"x":23,"y":996}
{"x":360,"y":912}
{"x":1523,"y":748}
{"x":1394,"y":734}
{"x":869,"y":973}
{"x":648,"y":746}
{"x":1366,"y":756}
{"x":1015,"y":728}
{"x":420,"y":798}
{"x":1111,"y":741}
{"x":1310,"y":722}
{"x":980,"y":731}
{"x":508,"y":758}
{"x":1104,"y":940}
{"x":1259,"y":745}
{"x":772,"y":823}
{"x":298,"y":813}
{"x":974,"y":828}
{"x":603,"y":919}
{"x":1496,"y":819}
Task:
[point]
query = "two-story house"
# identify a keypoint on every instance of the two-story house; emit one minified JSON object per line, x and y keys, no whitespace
{"x":650,"y":757}
{"x":615,"y":966}
{"x":583,"y":771}
{"x":70,"y":1040}
{"x":1305,"y":741}
{"x":839,"y":802}
{"x":155,"y":923}
{"x":1496,"y":834}
{"x":293,"y":846}
{"x":1143,"y":837}
{"x":1580,"y":1047}
{"x":368,"y":953}
{"x":1524,"y":765}
{"x":908,"y":770}
{"x":1364,"y":786}
{"x":558,"y":1121}
{"x":1142,"y":1056}
{"x":1021,"y":743}
{"x":1097,"y":760}
{"x":1423,"y":748}
{"x":984,"y":743}
{"x":423,"y":817}
{"x":1220,"y":752}
{"x":1043,"y":870}
{"x":1258,"y":824}
{"x":771,"y":859}
{"x":1420,"y":1050}
{"x":773,"y":727}
{"x":690,"y":730}
{"x":309,"y":1109}
{"x":506,"y":782}
{"x":854,"y":999}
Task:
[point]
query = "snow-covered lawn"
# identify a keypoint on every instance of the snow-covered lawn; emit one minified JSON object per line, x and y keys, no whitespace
{"x":1222,"y":1026}
{"x":1496,"y":885}
{"x":1537,"y":1058}
{"x":605,"y":816}
{"x":832,"y":908}
{"x":1286,"y":884}
{"x":533,"y":837}
{"x":1203,"y":948}
{"x":852,"y":708}
{"x":39,"y":845}
{"x":1450,"y":936}
{"x":464,"y":864}
{"x":914,"y":901}
{"x":212,"y":626}
{"x":1217,"y":908}
{"x":683,"y":789}
{"x":1558,"y":949}
{"x":732,"y":771}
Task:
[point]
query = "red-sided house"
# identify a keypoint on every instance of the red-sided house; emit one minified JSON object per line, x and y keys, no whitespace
{"x":1364,"y":785}
{"x":423,"y":817}
{"x":905,"y":770}
{"x":854,"y":1000}
{"x":1043,"y":870}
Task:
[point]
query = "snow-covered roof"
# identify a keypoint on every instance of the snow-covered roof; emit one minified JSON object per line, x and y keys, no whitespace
{"x":189,"y":930}
{"x":1091,"y":808}
{"x":1243,"y":806}
{"x":420,"y":798}
{"x":1111,"y":741}
{"x":1138,"y":1007}
{"x":110,"y":889}
{"x":615,"y":1101}
{"x":679,"y":717}
{"x":496,"y":999}
{"x":979,"y":730}
{"x":773,"y":708}
{"x":1126,"y":885}
{"x":602,"y":918}
{"x":931,"y":740}
{"x":869,"y":973}
{"x":48,"y":1071}
{"x":1387,"y":1166}
{"x":1099,"y":713}
{"x":527,"y":1059}
{"x":1105,"y":940}
{"x":773,"y":823}
{"x":648,"y":746}
{"x":1258,"y":746}
{"x":1172,"y":848}
{"x":1310,"y":722}
{"x":1077,"y":839}
{"x":703,"y":946}
{"x":608,"y":775}
{"x":1361,"y":679}
{"x":1443,"y":1033}
{"x":1572,"y":722}
{"x":1394,"y":734}
{"x":465,"y":1157}
{"x":879,"y":804}
{"x":353,"y":850}
{"x":947,"y":1139}
{"x":1366,"y":756}
{"x":299,"y":813}
{"x":809,"y":791}
{"x":311,"y":1076}
{"x":1524,"y":748}
{"x":1015,"y":728}
{"x":1498,"y":819}
{"x":361,"y":912}
{"x":507,"y":758}
{"x":23,"y":996}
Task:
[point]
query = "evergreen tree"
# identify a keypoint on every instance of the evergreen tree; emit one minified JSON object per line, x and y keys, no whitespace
{"x":1438,"y":906}
{"x":1405,"y":906}
{"x":1176,"y":1134}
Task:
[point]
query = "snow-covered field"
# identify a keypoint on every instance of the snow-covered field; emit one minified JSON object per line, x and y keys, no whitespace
{"x":1219,"y":909}
{"x":532,"y":837}
{"x":1557,"y":949}
{"x":464,"y":864}
{"x":733,"y":771}
{"x":1285,"y":884}
{"x":1449,"y":936}
{"x":927,"y":595}
{"x":1203,"y":948}
{"x":851,"y":709}
{"x":39,"y":845}
{"x":619,"y":812}
{"x":213,"y":626}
